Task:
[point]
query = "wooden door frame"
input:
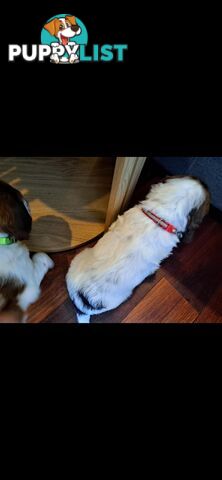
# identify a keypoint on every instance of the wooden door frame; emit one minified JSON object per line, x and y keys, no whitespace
{"x":126,"y":174}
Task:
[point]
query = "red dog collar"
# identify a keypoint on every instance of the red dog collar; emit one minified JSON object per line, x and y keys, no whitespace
{"x":162,"y":223}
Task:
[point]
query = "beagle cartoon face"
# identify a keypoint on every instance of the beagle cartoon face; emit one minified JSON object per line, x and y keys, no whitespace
{"x":63,"y":28}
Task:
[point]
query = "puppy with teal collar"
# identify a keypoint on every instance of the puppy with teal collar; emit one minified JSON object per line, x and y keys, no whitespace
{"x":20,"y":276}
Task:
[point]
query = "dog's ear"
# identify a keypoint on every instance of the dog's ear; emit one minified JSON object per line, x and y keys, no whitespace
{"x":71,"y":19}
{"x":14,"y":218}
{"x":52,"y":27}
{"x":195,"y":218}
{"x":6,"y":218}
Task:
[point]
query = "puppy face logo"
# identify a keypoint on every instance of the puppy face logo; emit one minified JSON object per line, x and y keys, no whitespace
{"x":63,"y":28}
{"x":61,"y":32}
{"x":64,"y":40}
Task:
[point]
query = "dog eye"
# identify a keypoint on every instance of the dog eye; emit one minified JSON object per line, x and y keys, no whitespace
{"x":61,"y":27}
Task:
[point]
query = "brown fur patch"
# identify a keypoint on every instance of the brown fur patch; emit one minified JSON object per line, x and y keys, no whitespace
{"x":14,"y":217}
{"x":10,"y":312}
{"x":71,"y":19}
{"x":53,"y":26}
{"x":195,"y":218}
{"x":196,"y":215}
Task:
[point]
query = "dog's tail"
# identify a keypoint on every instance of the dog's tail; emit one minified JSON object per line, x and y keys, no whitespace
{"x":82,"y":317}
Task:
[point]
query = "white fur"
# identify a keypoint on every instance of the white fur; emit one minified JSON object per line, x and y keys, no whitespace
{"x":133,"y":248}
{"x":15,"y":263}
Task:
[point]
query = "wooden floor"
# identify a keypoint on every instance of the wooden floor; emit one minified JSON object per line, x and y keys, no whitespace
{"x":68,"y":197}
{"x":186,"y":289}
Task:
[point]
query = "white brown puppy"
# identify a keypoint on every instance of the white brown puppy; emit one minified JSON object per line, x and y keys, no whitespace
{"x":102,"y":277}
{"x":20,"y":276}
{"x":64,"y":29}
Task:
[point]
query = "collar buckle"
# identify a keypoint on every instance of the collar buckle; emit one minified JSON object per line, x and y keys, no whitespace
{"x":168,"y":227}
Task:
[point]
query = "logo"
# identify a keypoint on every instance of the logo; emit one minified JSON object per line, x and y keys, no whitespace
{"x":64,"y":40}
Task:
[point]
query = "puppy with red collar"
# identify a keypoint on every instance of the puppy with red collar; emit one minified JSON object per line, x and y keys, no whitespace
{"x":101,"y":278}
{"x":64,"y":29}
{"x":20,"y":276}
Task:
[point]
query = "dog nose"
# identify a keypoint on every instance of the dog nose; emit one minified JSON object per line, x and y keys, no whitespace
{"x":75,"y":28}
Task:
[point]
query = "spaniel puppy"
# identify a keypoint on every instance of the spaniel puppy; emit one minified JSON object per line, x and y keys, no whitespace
{"x":102,"y":277}
{"x":20,"y":277}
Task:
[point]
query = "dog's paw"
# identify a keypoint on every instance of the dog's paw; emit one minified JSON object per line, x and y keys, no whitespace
{"x":44,"y":259}
{"x":74,"y":58}
{"x":54,"y":59}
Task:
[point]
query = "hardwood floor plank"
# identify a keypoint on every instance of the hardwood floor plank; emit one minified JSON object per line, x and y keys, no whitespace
{"x":117,"y":315}
{"x":155,"y":305}
{"x":196,"y":276}
{"x":53,"y":295}
{"x":65,"y":313}
{"x":212,"y":313}
{"x":183,"y":312}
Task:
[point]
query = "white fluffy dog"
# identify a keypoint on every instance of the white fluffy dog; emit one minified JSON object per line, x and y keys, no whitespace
{"x":102,"y":277}
{"x":20,"y":276}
